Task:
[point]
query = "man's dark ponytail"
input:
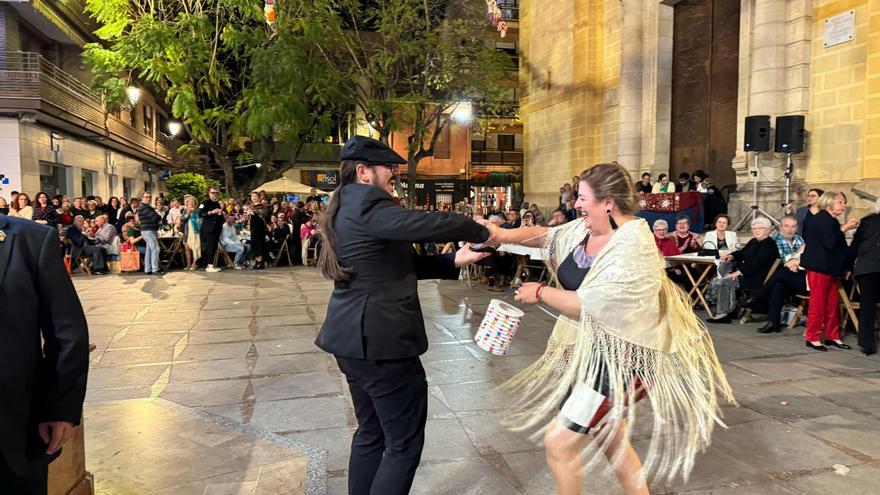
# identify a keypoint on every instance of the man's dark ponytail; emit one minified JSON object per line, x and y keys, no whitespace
{"x":328,"y":261}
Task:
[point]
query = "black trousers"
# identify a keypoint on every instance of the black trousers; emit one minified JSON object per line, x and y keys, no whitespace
{"x":211,"y":239}
{"x":295,"y":245}
{"x":390,"y":400}
{"x":783,"y":284}
{"x":869,"y":285}
{"x":34,"y":483}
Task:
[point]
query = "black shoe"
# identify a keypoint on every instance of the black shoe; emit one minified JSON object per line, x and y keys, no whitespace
{"x":839,"y":346}
{"x":869,"y":352}
{"x":770,"y":327}
{"x":723,"y":319}
{"x":159,"y":273}
{"x":819,"y":347}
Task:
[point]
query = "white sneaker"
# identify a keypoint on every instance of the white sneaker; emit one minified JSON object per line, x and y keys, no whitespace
{"x":212,"y":269}
{"x":239,"y":267}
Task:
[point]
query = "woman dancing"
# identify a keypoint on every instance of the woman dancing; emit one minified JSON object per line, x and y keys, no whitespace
{"x":625,"y":333}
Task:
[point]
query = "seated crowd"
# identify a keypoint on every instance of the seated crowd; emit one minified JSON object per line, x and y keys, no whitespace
{"x":252,"y":231}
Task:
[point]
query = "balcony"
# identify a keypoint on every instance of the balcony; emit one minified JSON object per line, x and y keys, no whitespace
{"x":31,"y":84}
{"x":480,"y":158}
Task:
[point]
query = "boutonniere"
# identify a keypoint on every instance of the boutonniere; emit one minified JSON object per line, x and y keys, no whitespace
{"x":2,"y":236}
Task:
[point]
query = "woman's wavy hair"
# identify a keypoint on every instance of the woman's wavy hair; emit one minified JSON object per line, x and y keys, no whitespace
{"x":611,"y":180}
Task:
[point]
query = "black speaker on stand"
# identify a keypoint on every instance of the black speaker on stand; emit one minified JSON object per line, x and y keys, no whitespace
{"x":757,"y":133}
{"x":757,"y":140}
{"x":790,"y":135}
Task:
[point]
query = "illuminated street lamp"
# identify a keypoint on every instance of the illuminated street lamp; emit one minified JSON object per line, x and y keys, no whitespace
{"x":174,"y":128}
{"x":134,"y":94}
{"x":463,"y":113}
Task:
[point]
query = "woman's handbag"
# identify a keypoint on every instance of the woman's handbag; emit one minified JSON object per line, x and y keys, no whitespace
{"x":709,"y":252}
{"x":129,"y":258}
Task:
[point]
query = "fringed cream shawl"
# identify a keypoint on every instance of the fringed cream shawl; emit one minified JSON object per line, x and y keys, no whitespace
{"x":636,"y":327}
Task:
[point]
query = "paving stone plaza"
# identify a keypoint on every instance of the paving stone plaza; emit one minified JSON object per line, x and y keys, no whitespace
{"x":209,"y":384}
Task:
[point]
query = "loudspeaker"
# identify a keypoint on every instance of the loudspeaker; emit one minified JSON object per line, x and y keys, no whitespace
{"x":757,"y":133}
{"x":789,"y":134}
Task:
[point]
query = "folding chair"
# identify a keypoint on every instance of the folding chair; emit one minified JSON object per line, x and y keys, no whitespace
{"x":73,"y":262}
{"x":226,"y":258}
{"x":747,"y":313}
{"x":286,"y":250}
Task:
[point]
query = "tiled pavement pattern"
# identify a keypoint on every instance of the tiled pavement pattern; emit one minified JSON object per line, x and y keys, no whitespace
{"x":177,"y":355}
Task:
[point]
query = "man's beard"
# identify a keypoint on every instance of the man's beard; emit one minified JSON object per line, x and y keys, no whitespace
{"x":376,"y":182}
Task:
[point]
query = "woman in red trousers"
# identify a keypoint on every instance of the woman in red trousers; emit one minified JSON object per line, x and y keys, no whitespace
{"x":824,"y":258}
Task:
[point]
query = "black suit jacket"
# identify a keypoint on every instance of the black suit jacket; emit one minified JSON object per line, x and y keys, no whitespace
{"x":865,"y":247}
{"x":754,"y":261}
{"x":37,"y":383}
{"x":825,"y":249}
{"x":377,"y":315}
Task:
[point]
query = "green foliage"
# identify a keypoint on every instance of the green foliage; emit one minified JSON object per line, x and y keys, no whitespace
{"x":188,"y":183}
{"x":227,"y":76}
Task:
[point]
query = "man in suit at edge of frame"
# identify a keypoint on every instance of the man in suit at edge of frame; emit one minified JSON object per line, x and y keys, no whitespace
{"x":374,"y":325}
{"x":44,"y":351}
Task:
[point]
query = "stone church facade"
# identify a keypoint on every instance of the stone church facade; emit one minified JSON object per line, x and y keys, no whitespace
{"x":665,"y":87}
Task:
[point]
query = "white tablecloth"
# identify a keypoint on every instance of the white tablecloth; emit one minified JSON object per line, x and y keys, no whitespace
{"x":533,"y":253}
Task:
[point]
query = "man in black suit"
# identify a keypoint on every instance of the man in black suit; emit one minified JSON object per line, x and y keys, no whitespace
{"x":212,"y":226}
{"x":43,"y":384}
{"x":374,"y":323}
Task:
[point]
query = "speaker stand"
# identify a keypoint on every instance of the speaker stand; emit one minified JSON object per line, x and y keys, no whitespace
{"x":789,"y":172}
{"x":754,"y":209}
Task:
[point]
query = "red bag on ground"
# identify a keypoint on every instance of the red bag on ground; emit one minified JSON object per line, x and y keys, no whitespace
{"x":129,"y":258}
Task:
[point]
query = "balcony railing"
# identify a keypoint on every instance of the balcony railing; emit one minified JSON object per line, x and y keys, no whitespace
{"x":492,"y":157}
{"x":30,"y":83}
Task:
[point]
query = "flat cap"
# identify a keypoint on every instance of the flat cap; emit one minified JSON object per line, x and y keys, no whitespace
{"x":368,"y":150}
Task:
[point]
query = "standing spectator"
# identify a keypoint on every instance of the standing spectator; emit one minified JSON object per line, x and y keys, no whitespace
{"x":102,"y":208}
{"x":685,"y":240}
{"x":644,"y":186}
{"x":258,"y":216}
{"x":80,"y":245}
{"x":113,"y":207}
{"x":212,"y":224}
{"x":45,"y":355}
{"x":306,"y":232}
{"x":150,"y":222}
{"x":565,"y":194}
{"x":575,"y":184}
{"x":662,"y":185}
{"x":866,"y":249}
{"x":190,"y":224}
{"x":806,"y":212}
{"x":4,"y":207}
{"x":21,"y":207}
{"x":231,"y":243}
{"x":824,"y":259}
{"x":297,"y":219}
{"x":44,"y":212}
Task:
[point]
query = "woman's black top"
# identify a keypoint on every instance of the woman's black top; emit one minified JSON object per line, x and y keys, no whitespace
{"x":825,"y":249}
{"x":865,"y":248}
{"x":577,"y":264}
{"x":4,"y":211}
{"x":754,"y":261}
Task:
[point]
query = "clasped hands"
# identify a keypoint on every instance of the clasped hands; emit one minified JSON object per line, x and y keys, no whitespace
{"x":465,"y":256}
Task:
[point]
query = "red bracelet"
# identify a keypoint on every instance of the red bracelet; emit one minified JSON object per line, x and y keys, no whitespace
{"x":538,"y":293}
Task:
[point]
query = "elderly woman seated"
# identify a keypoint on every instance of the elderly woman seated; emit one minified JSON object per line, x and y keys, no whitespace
{"x":665,"y":244}
{"x":747,"y":270}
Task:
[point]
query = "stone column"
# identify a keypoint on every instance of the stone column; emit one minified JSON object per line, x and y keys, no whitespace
{"x":645,"y":93}
{"x":773,"y":80}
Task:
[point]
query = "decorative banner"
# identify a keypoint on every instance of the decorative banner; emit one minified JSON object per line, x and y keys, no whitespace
{"x":269,"y":11}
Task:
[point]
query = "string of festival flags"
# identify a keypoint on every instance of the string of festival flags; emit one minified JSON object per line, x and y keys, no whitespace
{"x":495,"y":18}
{"x":492,"y":7}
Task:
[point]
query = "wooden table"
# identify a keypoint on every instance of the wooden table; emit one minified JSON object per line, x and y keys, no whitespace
{"x":171,"y":248}
{"x":696,"y":293}
{"x":533,"y":253}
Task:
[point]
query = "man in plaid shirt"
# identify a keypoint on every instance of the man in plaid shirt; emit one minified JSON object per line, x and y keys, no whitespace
{"x":786,"y":281}
{"x":787,"y":240}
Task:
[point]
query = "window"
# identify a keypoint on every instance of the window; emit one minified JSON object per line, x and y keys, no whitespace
{"x":53,"y":179}
{"x":87,"y":180}
{"x":148,"y":121}
{"x":478,"y":144}
{"x":506,"y":142}
{"x":127,"y":186}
